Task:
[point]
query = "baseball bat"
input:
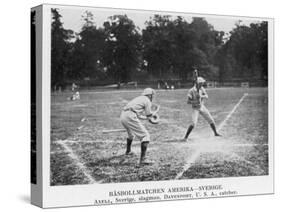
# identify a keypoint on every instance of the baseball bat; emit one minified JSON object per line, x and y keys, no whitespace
{"x":195,"y":78}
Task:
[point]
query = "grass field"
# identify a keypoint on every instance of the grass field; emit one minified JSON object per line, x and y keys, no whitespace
{"x":82,"y":154}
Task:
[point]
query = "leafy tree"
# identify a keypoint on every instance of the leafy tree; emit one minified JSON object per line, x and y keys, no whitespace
{"x":87,"y":50}
{"x":167,"y":49}
{"x":184,"y":49}
{"x":157,"y":45}
{"x":262,"y":49}
{"x":246,"y":51}
{"x":59,"y":50}
{"x":121,"y":54}
{"x":174,"y":48}
{"x":207,"y":42}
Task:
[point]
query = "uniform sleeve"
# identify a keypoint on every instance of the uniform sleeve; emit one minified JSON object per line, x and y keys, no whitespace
{"x":147,"y":108}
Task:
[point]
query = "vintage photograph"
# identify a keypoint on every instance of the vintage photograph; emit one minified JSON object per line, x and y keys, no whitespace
{"x":148,"y":96}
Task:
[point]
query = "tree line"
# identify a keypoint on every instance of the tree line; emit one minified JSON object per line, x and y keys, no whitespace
{"x":119,"y":52}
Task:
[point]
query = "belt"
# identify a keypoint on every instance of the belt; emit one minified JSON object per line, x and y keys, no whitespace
{"x":129,"y":109}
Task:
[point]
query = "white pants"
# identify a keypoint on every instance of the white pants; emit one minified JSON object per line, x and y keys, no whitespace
{"x":134,"y":126}
{"x":203,"y":111}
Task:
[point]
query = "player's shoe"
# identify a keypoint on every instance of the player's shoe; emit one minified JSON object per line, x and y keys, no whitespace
{"x":145,"y":161}
{"x":129,"y":153}
{"x":185,"y":140}
{"x":217,"y":134}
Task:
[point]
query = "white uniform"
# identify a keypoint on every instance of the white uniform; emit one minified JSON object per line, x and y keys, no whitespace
{"x":198,"y":107}
{"x":130,"y":121}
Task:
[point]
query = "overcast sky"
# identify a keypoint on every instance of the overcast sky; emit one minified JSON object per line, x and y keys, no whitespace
{"x":71,"y":18}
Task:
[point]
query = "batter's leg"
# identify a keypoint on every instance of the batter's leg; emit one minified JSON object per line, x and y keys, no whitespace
{"x":194,"y":122}
{"x":208,"y":117}
{"x":189,"y":129}
{"x":213,"y":126}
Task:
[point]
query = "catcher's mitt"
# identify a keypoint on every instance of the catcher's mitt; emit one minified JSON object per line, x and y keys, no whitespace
{"x":154,"y":119}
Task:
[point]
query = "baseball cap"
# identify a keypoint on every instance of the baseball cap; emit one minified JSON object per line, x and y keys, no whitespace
{"x":148,"y":91}
{"x":200,"y":80}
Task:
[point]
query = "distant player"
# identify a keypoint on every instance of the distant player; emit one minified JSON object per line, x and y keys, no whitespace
{"x":75,"y":93}
{"x":196,"y":97}
{"x":166,"y":86}
{"x":73,"y":87}
{"x":130,"y":120}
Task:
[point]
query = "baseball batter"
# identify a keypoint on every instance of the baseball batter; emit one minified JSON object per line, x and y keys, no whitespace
{"x":196,"y":97}
{"x":130,"y":120}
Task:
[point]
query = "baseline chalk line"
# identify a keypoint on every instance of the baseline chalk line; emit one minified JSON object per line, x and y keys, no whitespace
{"x":78,"y":163}
{"x":188,"y":164}
{"x":197,"y":153}
{"x":232,"y":111}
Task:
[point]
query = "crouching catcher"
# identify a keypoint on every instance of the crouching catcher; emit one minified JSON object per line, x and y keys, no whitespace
{"x":130,"y":119}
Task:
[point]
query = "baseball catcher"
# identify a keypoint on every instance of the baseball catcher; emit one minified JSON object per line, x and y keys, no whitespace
{"x":196,"y":97}
{"x":130,"y":119}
